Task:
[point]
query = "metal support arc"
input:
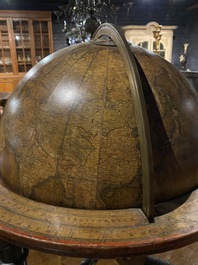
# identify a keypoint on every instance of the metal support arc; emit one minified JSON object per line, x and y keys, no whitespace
{"x":116,"y":35}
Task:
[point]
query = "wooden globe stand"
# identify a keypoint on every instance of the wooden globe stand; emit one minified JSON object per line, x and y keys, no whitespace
{"x":127,"y":235}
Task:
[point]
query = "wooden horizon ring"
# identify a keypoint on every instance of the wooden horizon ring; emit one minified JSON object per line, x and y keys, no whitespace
{"x":95,"y":233}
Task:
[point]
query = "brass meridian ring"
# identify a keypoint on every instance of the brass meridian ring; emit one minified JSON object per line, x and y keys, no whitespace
{"x":118,"y":38}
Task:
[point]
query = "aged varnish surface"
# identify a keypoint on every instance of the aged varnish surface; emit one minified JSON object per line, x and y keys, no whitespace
{"x":92,"y":140}
{"x":75,"y":129}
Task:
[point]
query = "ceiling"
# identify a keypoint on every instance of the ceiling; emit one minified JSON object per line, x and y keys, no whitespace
{"x":141,"y":11}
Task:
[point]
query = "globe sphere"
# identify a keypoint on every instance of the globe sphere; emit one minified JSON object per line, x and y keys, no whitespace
{"x":69,"y":134}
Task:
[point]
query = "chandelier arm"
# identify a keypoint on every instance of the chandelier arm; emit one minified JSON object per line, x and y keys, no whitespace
{"x":119,"y":40}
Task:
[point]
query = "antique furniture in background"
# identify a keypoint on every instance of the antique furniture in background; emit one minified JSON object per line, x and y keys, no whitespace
{"x":25,"y":38}
{"x":142,"y":35}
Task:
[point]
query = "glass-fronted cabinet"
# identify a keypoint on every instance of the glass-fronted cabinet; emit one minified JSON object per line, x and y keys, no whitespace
{"x":143,"y":36}
{"x":25,"y":39}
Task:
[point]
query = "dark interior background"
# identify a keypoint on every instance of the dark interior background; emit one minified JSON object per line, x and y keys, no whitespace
{"x":182,"y":13}
{"x":142,"y":11}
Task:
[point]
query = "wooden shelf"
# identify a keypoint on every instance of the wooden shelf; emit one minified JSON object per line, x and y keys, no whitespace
{"x":23,"y":34}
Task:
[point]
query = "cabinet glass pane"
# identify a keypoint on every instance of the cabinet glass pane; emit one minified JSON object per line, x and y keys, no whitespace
{"x":143,"y":44}
{"x":44,"y":27}
{"x":5,"y":54}
{"x":37,"y":39}
{"x":45,"y":41}
{"x":161,"y":50}
{"x":23,"y":45}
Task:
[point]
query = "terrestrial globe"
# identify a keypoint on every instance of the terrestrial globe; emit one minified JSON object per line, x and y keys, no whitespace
{"x":99,"y":153}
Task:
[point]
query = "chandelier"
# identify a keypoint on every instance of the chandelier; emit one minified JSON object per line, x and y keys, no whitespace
{"x":83,"y":17}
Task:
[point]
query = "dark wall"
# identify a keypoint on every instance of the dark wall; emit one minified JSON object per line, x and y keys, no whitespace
{"x":58,"y":35}
{"x":187,"y":32}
